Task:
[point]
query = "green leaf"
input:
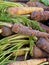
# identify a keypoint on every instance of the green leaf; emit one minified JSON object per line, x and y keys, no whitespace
{"x":46,"y":2}
{"x":32,"y":44}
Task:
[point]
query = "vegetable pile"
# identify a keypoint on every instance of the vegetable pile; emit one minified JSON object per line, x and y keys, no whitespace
{"x":24,"y":32}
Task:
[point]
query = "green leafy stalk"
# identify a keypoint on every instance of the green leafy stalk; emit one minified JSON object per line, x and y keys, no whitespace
{"x":32,"y":44}
{"x":30,"y":23}
{"x":46,"y":2}
{"x":1,"y":63}
{"x":9,"y":4}
{"x":12,"y":45}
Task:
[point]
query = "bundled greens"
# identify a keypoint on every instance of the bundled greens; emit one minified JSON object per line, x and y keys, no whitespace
{"x":10,"y":46}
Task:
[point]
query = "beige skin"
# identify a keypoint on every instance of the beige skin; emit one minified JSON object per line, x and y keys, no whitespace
{"x":29,"y":62}
{"x":0,"y":31}
{"x":23,"y":10}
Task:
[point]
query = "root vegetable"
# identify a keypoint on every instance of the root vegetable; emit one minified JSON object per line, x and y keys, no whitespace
{"x":28,"y":62}
{"x":40,"y":16}
{"x":5,"y":28}
{"x":18,"y":28}
{"x":46,"y":28}
{"x":23,"y":10}
{"x":38,"y":53}
{"x":6,"y":31}
{"x":43,"y":44}
{"x":37,"y":4}
{"x":23,"y":51}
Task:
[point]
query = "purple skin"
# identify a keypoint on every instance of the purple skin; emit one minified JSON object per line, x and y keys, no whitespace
{"x":43,"y":44}
{"x":6,"y":31}
{"x":46,"y":28}
{"x":37,"y":4}
{"x":19,"y":28}
{"x":38,"y":53}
